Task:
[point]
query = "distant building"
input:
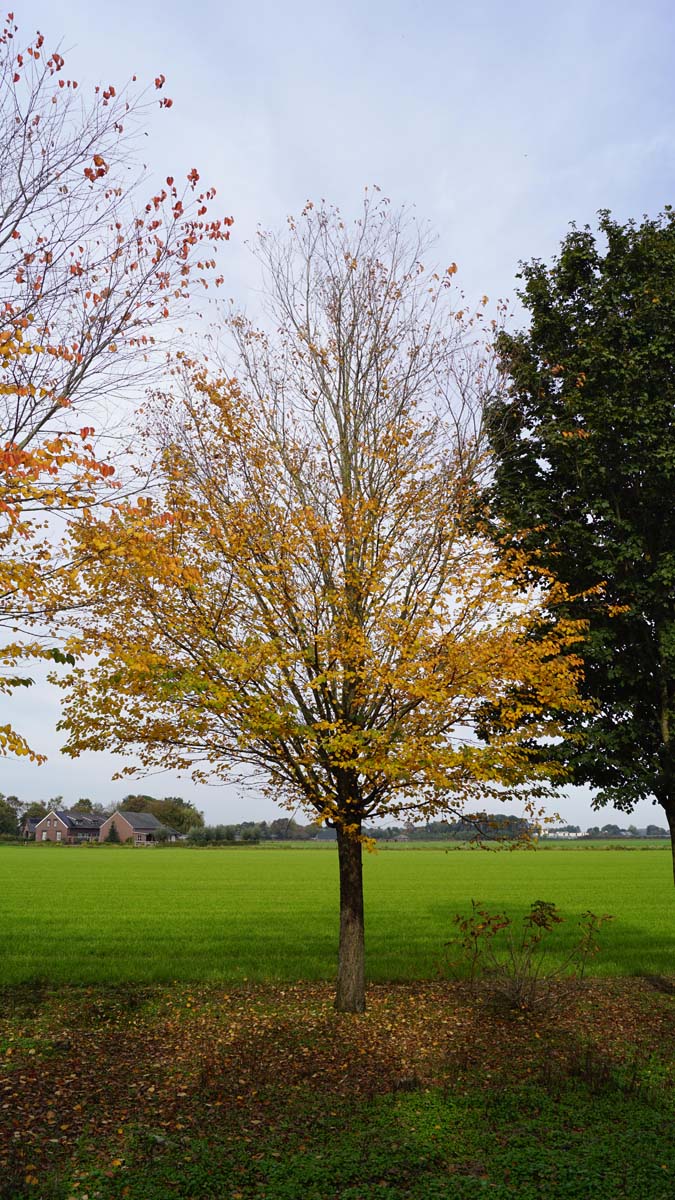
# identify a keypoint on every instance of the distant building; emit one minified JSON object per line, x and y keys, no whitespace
{"x":143,"y":829}
{"x":59,"y":825}
{"x":324,"y":834}
{"x":72,"y":828}
{"x":563,"y":833}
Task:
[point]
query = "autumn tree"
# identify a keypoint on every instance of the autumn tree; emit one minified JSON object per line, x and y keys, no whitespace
{"x":584,"y":451}
{"x":91,"y":267}
{"x":303,"y":601}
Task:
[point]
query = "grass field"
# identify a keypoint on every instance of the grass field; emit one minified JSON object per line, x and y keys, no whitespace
{"x":106,"y":915}
{"x":199,"y":1062}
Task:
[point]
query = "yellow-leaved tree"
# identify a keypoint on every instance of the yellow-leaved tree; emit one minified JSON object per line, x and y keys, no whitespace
{"x":304,"y":599}
{"x":54,"y":473}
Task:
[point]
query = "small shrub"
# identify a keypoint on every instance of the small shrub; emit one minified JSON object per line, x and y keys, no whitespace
{"x":515,"y":973}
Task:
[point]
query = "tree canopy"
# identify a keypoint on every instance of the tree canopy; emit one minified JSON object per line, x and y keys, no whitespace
{"x":9,"y":815}
{"x":584,"y":482}
{"x":91,"y":268}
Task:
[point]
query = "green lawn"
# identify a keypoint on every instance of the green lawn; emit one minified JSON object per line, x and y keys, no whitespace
{"x":79,"y":915}
{"x":258,"y":1090}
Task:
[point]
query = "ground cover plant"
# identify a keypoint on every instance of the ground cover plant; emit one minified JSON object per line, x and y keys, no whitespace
{"x":270,"y":914}
{"x":261,"y":1093}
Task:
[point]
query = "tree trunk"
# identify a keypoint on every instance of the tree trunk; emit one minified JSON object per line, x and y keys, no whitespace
{"x":350,"y":995}
{"x":670,"y":815}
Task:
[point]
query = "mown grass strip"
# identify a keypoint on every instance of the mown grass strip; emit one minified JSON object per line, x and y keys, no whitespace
{"x":73,"y":915}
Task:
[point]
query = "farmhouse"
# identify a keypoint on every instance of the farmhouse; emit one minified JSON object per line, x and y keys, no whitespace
{"x":143,"y":829}
{"x":59,"y":825}
{"x":72,"y":828}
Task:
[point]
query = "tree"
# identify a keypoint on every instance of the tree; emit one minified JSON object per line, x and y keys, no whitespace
{"x":83,"y":805}
{"x":206,"y":835}
{"x":9,"y":815}
{"x":90,"y":266}
{"x":305,"y":601}
{"x":37,"y":808}
{"x":286,"y":829}
{"x":584,"y":453}
{"x":91,"y":807}
{"x":113,"y":836}
{"x":58,"y":475}
{"x":90,"y":269}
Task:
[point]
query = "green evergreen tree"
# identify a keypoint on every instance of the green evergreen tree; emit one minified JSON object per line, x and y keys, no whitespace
{"x":584,"y":479}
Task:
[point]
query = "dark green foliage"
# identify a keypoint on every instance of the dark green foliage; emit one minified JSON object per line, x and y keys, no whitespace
{"x":60,"y":657}
{"x":113,"y":836}
{"x":283,"y":829}
{"x":37,"y":808}
{"x":211,"y":835}
{"x":479,"y":827}
{"x":9,"y":815}
{"x":584,"y":478}
{"x":83,"y":805}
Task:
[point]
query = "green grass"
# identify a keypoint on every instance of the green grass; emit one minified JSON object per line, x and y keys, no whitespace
{"x":78,"y":915}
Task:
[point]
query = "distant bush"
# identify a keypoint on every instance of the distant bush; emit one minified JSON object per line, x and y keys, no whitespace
{"x":211,"y":835}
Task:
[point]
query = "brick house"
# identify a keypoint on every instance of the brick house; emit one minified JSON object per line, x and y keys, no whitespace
{"x":59,"y":825}
{"x":143,"y":829}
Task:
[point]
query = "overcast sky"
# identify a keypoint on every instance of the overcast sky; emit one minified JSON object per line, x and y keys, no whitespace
{"x":500,"y":122}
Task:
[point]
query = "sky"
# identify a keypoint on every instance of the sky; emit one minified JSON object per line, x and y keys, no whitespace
{"x":500,"y":123}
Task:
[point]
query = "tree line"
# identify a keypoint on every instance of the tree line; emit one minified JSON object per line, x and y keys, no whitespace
{"x":174,"y":812}
{"x":184,"y":818}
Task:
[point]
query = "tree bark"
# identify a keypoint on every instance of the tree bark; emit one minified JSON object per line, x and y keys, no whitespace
{"x":350,"y":994}
{"x":670,"y":815}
